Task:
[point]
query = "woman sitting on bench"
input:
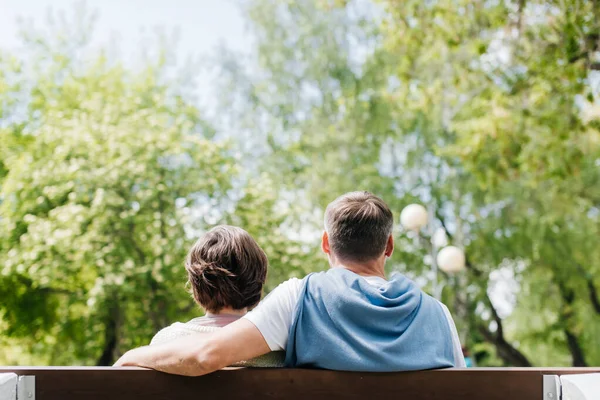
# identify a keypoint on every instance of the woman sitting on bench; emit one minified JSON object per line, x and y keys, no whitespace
{"x":226,"y":270}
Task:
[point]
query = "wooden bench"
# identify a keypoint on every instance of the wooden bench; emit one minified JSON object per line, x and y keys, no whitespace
{"x":89,"y":383}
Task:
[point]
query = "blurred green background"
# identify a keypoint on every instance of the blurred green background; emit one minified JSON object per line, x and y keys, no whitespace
{"x":486,"y":112}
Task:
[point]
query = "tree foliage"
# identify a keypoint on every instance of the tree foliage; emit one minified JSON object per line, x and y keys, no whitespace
{"x":97,"y":206}
{"x":485,"y":111}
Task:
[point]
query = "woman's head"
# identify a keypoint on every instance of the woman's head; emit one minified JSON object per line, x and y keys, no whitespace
{"x":226,"y":269}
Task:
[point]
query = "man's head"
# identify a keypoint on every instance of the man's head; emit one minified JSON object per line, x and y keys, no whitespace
{"x":358,"y":228}
{"x":226,"y":269}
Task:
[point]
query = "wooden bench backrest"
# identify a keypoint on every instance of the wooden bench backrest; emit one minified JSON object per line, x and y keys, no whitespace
{"x":74,"y":383}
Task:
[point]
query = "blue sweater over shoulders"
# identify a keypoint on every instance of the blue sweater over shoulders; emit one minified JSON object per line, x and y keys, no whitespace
{"x":342,"y":322}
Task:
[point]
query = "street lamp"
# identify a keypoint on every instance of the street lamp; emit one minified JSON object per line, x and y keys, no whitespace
{"x":413,"y":217}
{"x":449,"y":259}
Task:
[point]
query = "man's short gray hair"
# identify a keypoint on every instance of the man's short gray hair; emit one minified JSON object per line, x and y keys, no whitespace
{"x":358,"y":225}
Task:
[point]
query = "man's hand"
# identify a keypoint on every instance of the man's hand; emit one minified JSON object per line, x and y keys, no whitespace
{"x":193,"y":356}
{"x":128,"y":359}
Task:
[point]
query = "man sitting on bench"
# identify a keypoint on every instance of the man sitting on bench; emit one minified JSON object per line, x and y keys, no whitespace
{"x":348,"y":318}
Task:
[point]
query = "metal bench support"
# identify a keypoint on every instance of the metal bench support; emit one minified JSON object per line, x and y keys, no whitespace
{"x":14,"y":387}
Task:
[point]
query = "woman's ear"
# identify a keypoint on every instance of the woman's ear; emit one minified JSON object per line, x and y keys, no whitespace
{"x":325,"y":243}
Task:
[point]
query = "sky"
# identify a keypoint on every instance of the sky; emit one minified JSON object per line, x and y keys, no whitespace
{"x":201,"y":26}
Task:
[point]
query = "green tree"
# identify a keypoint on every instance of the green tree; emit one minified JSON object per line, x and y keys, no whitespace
{"x":100,"y":206}
{"x":485,"y":111}
{"x":482,"y":110}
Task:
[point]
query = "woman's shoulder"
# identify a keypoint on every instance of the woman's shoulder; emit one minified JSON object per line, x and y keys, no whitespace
{"x":181,"y":329}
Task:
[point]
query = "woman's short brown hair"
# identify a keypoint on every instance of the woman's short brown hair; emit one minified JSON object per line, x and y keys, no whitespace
{"x":226,"y":268}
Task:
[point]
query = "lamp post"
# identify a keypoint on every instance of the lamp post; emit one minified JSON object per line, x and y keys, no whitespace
{"x":449,"y":259}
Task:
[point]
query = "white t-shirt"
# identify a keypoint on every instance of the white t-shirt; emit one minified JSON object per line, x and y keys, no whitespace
{"x":275,"y":314}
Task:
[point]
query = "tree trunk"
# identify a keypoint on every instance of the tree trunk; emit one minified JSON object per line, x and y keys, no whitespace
{"x":111,"y":337}
{"x":593,"y":295}
{"x":568,"y":297}
{"x":507,"y":352}
{"x":575,"y":349}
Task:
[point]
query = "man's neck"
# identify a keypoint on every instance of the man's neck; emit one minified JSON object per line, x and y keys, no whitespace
{"x":368,"y":268}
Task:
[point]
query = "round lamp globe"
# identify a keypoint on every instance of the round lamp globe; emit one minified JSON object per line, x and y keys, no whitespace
{"x":413,"y":217}
{"x":451,"y":259}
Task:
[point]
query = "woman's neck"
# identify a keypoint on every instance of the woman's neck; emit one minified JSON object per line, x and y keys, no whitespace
{"x":229,"y":311}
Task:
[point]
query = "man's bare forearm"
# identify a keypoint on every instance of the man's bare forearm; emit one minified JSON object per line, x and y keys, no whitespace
{"x":181,"y":357}
{"x":197,"y":355}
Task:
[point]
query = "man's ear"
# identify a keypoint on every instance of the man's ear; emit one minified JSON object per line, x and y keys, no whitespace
{"x":325,"y":243}
{"x":389,"y":247}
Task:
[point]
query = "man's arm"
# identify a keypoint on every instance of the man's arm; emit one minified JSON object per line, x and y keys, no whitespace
{"x":459,"y":359}
{"x":238,"y":341}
